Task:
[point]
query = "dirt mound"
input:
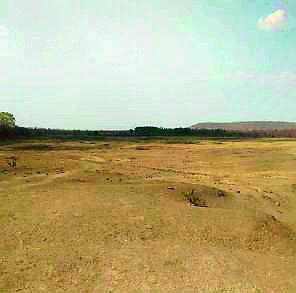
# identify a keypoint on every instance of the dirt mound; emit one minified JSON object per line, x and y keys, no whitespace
{"x":230,"y":220}
{"x":238,"y":229}
{"x":204,"y":196}
{"x":268,"y":233}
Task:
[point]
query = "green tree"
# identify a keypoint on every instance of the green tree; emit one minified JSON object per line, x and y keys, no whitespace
{"x":7,"y":120}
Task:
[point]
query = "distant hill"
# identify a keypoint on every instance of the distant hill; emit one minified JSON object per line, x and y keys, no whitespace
{"x":247,"y":125}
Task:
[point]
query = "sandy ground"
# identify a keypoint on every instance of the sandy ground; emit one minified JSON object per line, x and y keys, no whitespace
{"x":110,"y":216}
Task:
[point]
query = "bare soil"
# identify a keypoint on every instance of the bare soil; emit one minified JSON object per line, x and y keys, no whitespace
{"x":111,"y":216}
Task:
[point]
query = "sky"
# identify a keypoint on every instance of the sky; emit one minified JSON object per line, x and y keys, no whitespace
{"x":118,"y":64}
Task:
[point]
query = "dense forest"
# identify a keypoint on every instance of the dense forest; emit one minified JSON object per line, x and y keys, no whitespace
{"x":22,"y":133}
{"x":9,"y":130}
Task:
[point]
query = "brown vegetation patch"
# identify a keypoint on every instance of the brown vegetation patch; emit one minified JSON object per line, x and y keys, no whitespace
{"x":205,"y":196}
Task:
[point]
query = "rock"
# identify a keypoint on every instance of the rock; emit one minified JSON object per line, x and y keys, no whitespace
{"x":171,"y":188}
{"x":277,"y":203}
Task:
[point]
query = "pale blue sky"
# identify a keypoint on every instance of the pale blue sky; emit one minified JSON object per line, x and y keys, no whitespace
{"x":103,"y":64}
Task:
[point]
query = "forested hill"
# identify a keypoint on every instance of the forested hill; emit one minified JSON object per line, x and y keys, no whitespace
{"x":247,"y":125}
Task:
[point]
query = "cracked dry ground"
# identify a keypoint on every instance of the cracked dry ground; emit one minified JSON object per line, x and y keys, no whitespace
{"x":110,"y":216}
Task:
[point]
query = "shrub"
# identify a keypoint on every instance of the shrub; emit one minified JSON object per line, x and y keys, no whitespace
{"x":194,"y":199}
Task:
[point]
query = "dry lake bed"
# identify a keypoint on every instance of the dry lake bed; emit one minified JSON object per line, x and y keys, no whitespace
{"x":114,"y":216}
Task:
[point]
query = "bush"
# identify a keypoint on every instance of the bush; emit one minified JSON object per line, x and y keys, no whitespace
{"x":194,"y":199}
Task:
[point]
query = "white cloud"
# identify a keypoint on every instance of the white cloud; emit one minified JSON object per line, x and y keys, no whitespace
{"x":272,"y":21}
{"x":3,"y":31}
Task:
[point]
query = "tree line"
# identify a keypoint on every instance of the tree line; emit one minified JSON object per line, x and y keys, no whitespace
{"x":158,"y":131}
{"x":8,"y":129}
